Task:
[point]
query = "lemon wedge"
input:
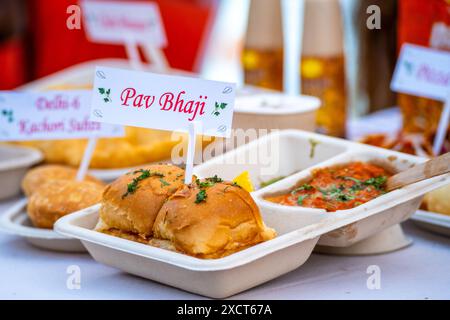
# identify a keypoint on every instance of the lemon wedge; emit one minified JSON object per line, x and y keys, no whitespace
{"x":243,"y":180}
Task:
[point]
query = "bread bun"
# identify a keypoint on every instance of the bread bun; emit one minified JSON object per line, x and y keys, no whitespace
{"x":131,"y":203}
{"x":211,"y":220}
{"x":37,"y":176}
{"x":56,"y":198}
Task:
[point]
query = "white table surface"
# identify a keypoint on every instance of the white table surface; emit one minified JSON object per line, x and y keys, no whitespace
{"x":420,"y":271}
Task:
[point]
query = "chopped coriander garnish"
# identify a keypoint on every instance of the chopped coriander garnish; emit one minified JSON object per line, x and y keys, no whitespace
{"x":133,"y":186}
{"x":201,"y":196}
{"x":304,"y":187}
{"x":163,"y":182}
{"x":344,"y":197}
{"x":356,"y":187}
{"x":337,"y":193}
{"x":205,"y":184}
{"x":377,"y":182}
{"x":357,"y":181}
{"x":214,"y":179}
{"x":300,"y":199}
{"x":208,"y":182}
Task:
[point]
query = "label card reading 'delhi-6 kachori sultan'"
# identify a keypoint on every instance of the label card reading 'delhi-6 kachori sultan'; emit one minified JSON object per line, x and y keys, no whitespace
{"x":162,"y":102}
{"x":50,"y":115}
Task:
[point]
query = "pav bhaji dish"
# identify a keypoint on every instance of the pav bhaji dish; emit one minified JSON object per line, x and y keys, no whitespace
{"x":209,"y":218}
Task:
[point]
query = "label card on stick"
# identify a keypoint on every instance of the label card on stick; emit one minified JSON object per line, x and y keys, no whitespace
{"x":50,"y":115}
{"x":116,"y":22}
{"x":128,"y":23}
{"x":164,"y":102}
{"x":425,"y":72}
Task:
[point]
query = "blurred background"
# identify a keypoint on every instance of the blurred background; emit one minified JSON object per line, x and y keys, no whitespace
{"x":343,"y":62}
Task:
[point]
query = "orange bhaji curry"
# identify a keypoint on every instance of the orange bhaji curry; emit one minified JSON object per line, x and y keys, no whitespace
{"x":338,"y":188}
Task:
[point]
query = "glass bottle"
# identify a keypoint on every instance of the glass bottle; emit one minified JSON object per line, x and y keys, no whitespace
{"x":322,"y":65}
{"x":262,"y":57}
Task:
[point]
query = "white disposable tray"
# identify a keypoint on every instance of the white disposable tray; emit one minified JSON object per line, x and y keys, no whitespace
{"x":217,"y":278}
{"x":299,"y":229}
{"x":435,"y":222}
{"x":15,"y":221}
{"x":14,"y":163}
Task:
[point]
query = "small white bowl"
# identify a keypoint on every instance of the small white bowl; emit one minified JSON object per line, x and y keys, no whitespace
{"x":15,"y":221}
{"x":275,"y":111}
{"x":14,"y":163}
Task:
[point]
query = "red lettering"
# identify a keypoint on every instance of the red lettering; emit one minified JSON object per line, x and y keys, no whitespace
{"x":179,"y":102}
{"x":138,"y":101}
{"x":127,"y":94}
{"x":166,"y":101}
{"x":148,"y":103}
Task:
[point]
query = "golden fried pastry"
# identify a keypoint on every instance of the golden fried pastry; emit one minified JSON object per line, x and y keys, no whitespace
{"x":438,"y":200}
{"x":130,"y":203}
{"x":56,"y":198}
{"x":37,"y":176}
{"x":138,"y":146}
{"x":211,"y":219}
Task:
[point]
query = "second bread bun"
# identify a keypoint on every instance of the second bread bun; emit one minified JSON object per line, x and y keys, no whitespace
{"x":131,"y":203}
{"x":211,"y":219}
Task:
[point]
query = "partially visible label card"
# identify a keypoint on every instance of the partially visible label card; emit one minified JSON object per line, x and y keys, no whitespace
{"x":128,"y":21}
{"x":422,"y":72}
{"x":163,"y":102}
{"x":50,"y":115}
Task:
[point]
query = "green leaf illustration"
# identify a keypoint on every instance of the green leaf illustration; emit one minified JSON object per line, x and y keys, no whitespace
{"x":105,"y":93}
{"x":218,"y":107}
{"x":8,"y":114}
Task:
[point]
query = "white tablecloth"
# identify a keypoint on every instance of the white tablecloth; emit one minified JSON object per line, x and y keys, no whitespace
{"x":421,"y":271}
